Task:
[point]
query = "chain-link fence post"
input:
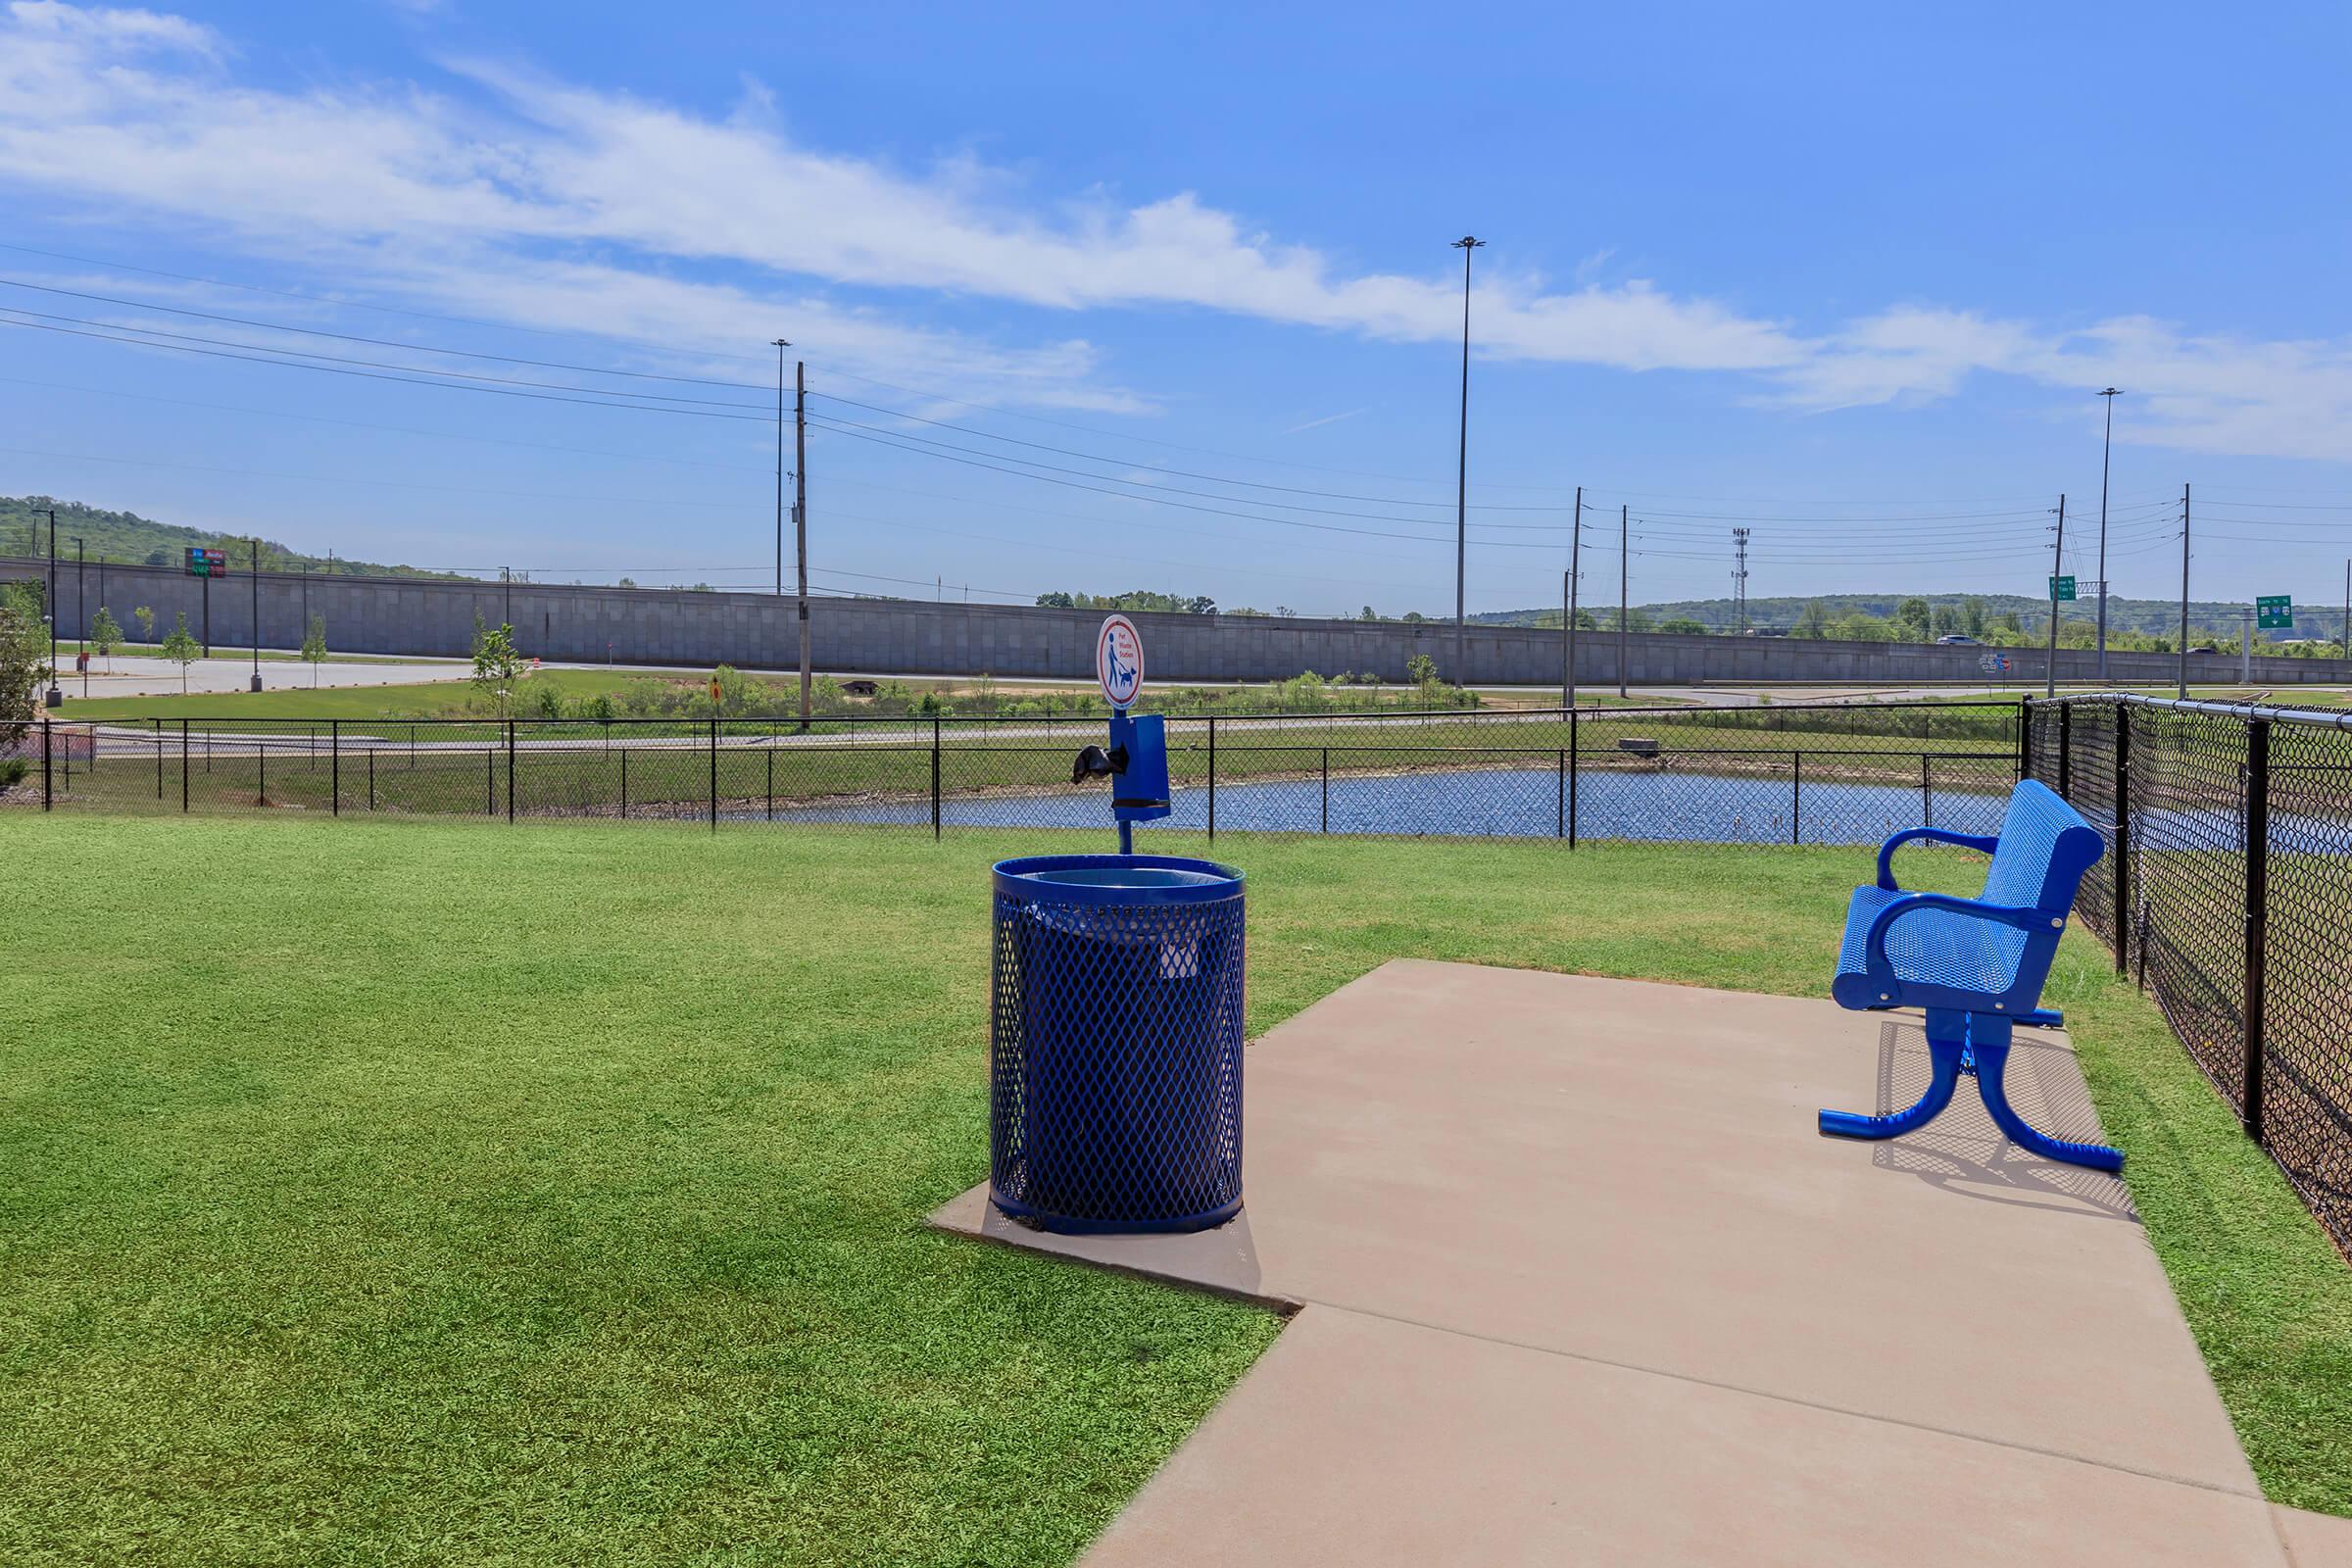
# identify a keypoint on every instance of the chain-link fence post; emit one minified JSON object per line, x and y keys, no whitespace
{"x":509,"y":770}
{"x":2025,"y":738}
{"x":714,"y":775}
{"x":2122,"y":836}
{"x":1796,"y":796}
{"x":183,"y":765}
{"x":1572,"y":777}
{"x":334,"y":766}
{"x":935,"y":778}
{"x":48,"y":790}
{"x":1212,"y":777}
{"x":2258,"y":893}
{"x":2066,"y":752}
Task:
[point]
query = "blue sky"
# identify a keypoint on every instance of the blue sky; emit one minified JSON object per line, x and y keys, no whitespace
{"x":1851,"y":279}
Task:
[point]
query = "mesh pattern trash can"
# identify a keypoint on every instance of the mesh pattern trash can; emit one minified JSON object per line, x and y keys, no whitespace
{"x":1115,"y":1042}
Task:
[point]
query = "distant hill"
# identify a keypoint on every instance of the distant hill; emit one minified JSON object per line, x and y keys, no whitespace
{"x":2154,"y":617}
{"x":126,"y":536}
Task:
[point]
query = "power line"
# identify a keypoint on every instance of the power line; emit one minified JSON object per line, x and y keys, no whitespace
{"x":365,"y":305}
{"x":371,"y":375}
{"x":378,"y":342}
{"x":299,"y":356}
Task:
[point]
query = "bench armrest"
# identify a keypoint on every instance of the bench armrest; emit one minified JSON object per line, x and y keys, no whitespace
{"x":1967,"y":841}
{"x":1882,"y":970}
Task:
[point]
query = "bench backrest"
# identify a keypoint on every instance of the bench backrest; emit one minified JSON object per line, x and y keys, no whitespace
{"x":2045,"y":848}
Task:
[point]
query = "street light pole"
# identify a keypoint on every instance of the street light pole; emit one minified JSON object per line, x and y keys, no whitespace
{"x":2106,"y":448}
{"x":1461,"y":482}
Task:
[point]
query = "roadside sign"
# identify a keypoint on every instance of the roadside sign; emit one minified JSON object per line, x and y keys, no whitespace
{"x":2062,"y":588}
{"x":206,"y":563}
{"x":1119,"y":660}
{"x":1993,"y":663}
{"x":715,"y":691}
{"x":2274,"y":612}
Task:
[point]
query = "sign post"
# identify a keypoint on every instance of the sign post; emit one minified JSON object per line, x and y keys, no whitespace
{"x":1138,"y":759}
{"x":208,"y":564}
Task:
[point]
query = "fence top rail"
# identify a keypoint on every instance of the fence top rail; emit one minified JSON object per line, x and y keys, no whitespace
{"x":1693,"y":712}
{"x":2317,"y":717}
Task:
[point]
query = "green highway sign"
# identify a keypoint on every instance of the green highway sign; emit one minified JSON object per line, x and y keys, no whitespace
{"x":206,"y":563}
{"x":2062,"y":587}
{"x":2274,"y":612}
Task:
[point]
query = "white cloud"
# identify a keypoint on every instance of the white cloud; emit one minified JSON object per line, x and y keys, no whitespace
{"x":557,"y":205}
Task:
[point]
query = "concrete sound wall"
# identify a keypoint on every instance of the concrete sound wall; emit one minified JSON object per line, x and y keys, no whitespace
{"x":888,"y":636}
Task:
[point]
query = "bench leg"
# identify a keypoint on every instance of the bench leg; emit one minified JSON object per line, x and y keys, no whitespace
{"x":1944,"y":1058}
{"x":1988,"y":1045}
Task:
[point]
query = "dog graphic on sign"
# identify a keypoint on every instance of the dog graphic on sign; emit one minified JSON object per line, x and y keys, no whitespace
{"x":1119,"y":660}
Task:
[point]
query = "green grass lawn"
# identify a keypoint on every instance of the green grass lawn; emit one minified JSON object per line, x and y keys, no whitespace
{"x":405,"y":1193}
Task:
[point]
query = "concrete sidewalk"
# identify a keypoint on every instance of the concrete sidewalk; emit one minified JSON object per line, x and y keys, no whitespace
{"x":1581,"y":1283}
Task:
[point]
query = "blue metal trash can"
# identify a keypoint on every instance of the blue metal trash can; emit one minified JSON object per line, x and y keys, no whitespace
{"x":1115,"y":1042}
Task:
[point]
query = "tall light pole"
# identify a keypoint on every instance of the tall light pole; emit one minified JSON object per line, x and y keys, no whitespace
{"x":799,"y":514}
{"x":781,"y":344}
{"x":1461,"y":482}
{"x":2106,"y":448}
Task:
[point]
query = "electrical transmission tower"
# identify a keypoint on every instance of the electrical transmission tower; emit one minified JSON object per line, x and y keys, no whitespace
{"x":1740,"y":582}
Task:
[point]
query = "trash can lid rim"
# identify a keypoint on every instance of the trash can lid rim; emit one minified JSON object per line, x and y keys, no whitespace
{"x":1116,"y":878}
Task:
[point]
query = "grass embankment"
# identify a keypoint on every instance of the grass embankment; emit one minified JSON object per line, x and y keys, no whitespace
{"x":553,"y":1195}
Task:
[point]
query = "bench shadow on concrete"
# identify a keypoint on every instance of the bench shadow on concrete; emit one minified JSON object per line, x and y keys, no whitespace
{"x":1962,"y":1151}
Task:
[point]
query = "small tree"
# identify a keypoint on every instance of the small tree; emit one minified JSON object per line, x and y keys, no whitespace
{"x":146,"y":619}
{"x":313,"y":645}
{"x":23,"y":658}
{"x":106,"y":635}
{"x":497,"y":666}
{"x":182,"y":650}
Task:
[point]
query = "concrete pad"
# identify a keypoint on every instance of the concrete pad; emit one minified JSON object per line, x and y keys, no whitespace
{"x":1365,"y":1442}
{"x":1630,"y":1174}
{"x":2315,"y":1539}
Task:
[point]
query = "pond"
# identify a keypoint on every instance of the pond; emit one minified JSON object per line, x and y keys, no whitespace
{"x":1662,"y":805}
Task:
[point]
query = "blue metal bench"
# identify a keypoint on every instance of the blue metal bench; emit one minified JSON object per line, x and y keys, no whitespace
{"x":1977,"y":966}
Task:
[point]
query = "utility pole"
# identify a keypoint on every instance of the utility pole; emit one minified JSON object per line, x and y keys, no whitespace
{"x":257,"y":613}
{"x":1575,"y":542}
{"x":1623,"y":577}
{"x":2106,"y":450}
{"x":2347,"y":638}
{"x":1461,"y":483}
{"x":781,"y":344}
{"x":2057,"y":564}
{"x":799,"y":514}
{"x":2184,"y":592}
{"x":55,"y":696}
{"x":1739,"y":581}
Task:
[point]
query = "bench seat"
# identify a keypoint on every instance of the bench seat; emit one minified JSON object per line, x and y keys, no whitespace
{"x":1930,"y":947}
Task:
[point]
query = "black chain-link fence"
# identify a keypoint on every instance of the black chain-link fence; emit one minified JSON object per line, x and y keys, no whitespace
{"x":1797,"y":773}
{"x":2228,"y":893}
